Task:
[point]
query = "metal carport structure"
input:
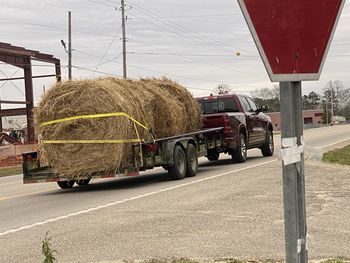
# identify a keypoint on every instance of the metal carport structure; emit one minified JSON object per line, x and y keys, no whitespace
{"x":22,"y":58}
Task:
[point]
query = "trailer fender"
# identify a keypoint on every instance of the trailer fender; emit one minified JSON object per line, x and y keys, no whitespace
{"x":169,"y":146}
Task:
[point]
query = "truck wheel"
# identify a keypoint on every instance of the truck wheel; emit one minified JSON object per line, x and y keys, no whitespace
{"x":83,"y":182}
{"x":239,"y":154}
{"x":191,"y":160}
{"x":213,"y":155}
{"x":178,"y":170}
{"x":66,"y":184}
{"x":268,"y":148}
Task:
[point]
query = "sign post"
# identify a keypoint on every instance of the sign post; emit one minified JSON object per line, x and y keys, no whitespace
{"x":293,"y":38}
{"x":293,"y":173}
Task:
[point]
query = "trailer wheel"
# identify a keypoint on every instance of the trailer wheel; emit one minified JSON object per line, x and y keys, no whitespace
{"x":83,"y":182}
{"x":239,"y":154}
{"x":66,"y":184}
{"x":192,"y":160}
{"x":178,"y":170}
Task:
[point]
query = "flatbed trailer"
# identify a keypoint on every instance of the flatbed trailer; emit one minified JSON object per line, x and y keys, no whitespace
{"x":177,"y":154}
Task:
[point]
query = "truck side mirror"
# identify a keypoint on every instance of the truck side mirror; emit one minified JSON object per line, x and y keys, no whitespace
{"x":264,"y":108}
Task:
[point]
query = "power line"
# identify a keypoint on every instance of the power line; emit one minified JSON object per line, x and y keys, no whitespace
{"x":51,"y":27}
{"x":96,"y":2}
{"x":101,"y":72}
{"x":199,"y":16}
{"x":26,"y":64}
{"x":10,"y":77}
{"x":184,"y":43}
{"x":109,"y":46}
{"x":183,"y":30}
{"x":230,"y":69}
{"x":12,"y":81}
{"x":186,"y":54}
{"x":106,"y":61}
{"x":175,"y":75}
{"x":209,"y":64}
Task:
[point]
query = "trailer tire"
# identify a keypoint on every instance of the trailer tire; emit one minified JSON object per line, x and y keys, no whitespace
{"x":66,"y":184}
{"x":239,"y":154}
{"x":83,"y":182}
{"x":178,"y":170}
{"x":191,"y":160}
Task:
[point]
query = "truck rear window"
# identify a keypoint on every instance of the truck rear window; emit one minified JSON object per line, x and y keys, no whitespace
{"x":220,"y":105}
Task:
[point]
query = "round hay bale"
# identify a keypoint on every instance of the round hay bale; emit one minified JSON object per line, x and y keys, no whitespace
{"x":190,"y":117}
{"x":160,"y":107}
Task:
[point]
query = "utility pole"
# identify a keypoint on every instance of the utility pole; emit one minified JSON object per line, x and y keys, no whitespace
{"x":124,"y":38}
{"x":332,"y":110}
{"x":69,"y":46}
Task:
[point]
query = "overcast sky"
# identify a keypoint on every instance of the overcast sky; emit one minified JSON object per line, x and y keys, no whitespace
{"x":193,"y":42}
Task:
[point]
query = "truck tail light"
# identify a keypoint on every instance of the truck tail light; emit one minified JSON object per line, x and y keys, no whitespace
{"x":227,"y":130}
{"x":226,"y":120}
{"x":227,"y":125}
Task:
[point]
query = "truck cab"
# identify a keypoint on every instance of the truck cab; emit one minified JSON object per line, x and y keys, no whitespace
{"x":245,"y":125}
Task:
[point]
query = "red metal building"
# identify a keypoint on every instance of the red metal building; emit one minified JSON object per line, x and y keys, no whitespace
{"x":312,"y":118}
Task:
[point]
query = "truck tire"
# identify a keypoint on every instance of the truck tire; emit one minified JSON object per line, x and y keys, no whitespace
{"x":268,"y":148}
{"x":178,"y":170}
{"x":239,"y":154}
{"x":213,"y":155}
{"x":66,"y":184}
{"x":191,"y":160}
{"x":83,"y":182}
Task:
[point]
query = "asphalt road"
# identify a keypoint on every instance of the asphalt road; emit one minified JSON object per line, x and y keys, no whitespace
{"x":227,"y":210}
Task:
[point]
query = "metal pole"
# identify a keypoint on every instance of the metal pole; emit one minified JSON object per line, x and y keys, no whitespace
{"x":0,"y":122}
{"x":299,"y":127}
{"x":124,"y":38}
{"x":293,"y":173}
{"x":332,"y":110}
{"x":69,"y":46}
{"x":58,"y":72}
{"x":28,"y":83}
{"x":289,"y":174}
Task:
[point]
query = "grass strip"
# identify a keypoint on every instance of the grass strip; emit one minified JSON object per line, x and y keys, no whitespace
{"x":6,"y":171}
{"x":340,"y":156}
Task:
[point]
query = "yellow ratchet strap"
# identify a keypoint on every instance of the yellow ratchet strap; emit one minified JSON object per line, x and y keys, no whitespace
{"x":94,"y":116}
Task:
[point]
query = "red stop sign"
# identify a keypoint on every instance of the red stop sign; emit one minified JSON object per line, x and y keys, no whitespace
{"x":292,"y":36}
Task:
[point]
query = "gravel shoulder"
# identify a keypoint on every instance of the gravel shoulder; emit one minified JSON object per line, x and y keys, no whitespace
{"x":235,"y":216}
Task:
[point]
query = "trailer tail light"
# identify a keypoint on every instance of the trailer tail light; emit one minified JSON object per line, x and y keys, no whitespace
{"x":152,"y":147}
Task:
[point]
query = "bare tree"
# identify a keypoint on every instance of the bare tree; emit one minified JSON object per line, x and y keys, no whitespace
{"x":266,"y":93}
{"x":222,"y":89}
{"x":336,"y":94}
{"x":268,"y":96}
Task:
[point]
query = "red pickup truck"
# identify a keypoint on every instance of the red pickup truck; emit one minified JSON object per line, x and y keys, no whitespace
{"x":245,"y":125}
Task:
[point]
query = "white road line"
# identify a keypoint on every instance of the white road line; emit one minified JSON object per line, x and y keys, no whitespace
{"x":335,"y":143}
{"x":129,"y":199}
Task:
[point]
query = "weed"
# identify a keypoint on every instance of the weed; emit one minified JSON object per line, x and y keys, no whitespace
{"x":47,"y":251}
